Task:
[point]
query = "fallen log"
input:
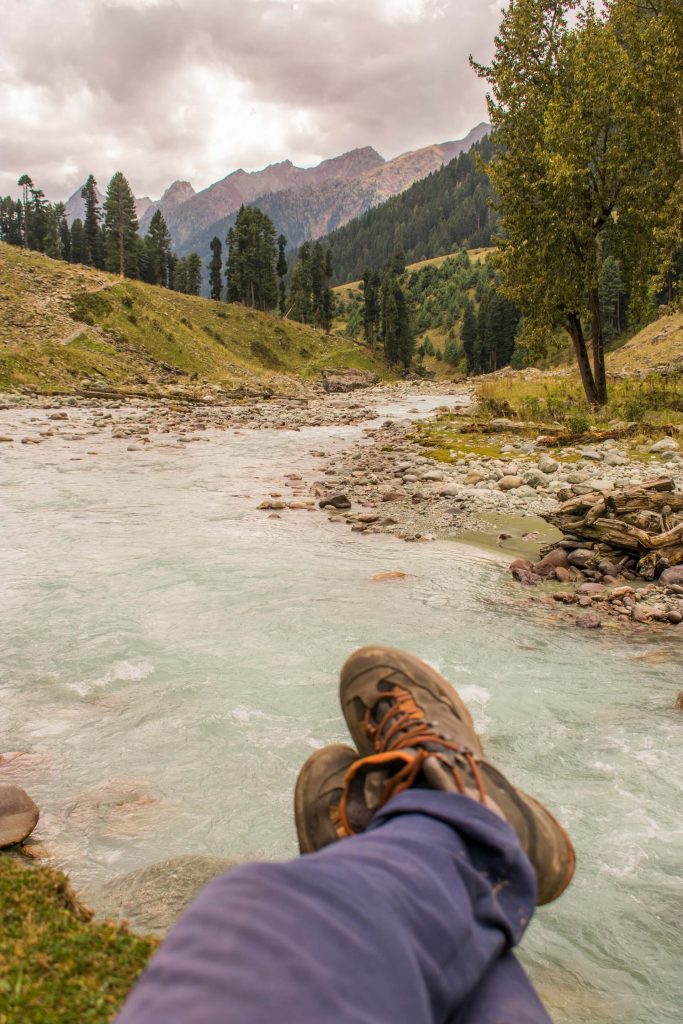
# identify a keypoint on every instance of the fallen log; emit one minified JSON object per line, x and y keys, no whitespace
{"x":639,"y":500}
{"x":587,"y":437}
{"x":622,"y":535}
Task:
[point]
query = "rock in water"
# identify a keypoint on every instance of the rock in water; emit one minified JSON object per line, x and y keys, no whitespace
{"x":672,"y":576}
{"x":335,"y":501}
{"x":151,"y":899}
{"x":18,"y":814}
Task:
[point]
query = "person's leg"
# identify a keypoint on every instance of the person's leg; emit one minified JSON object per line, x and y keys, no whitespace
{"x":504,"y":996}
{"x":399,"y":925}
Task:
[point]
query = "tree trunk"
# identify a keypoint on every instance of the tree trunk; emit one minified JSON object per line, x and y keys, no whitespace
{"x":599,"y":376}
{"x":576,"y":333}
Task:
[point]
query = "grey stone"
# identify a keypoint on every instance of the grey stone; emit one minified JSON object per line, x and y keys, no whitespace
{"x":667,"y":444}
{"x":548,"y":465}
{"x":535,"y":478}
{"x":152,"y":898}
{"x":18,"y":814}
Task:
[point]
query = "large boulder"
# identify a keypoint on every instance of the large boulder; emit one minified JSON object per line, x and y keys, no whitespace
{"x":152,"y":898}
{"x":339,"y":381}
{"x":18,"y":814}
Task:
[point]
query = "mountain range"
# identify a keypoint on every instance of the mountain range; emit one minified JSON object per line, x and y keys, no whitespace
{"x":303,"y":202}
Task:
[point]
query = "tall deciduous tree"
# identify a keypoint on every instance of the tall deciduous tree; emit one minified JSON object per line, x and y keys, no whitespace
{"x":120,"y":227}
{"x":588,"y":142}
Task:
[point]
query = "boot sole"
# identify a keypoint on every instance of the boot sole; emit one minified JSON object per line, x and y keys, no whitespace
{"x":420,"y":676}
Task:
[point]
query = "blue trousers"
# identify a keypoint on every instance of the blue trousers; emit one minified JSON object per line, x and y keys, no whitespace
{"x":410,"y":923}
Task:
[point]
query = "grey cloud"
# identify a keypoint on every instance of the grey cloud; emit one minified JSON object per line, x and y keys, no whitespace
{"x":140,"y":86}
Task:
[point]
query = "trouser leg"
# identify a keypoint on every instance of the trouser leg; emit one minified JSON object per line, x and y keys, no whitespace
{"x":503,"y":996}
{"x":398,"y":925}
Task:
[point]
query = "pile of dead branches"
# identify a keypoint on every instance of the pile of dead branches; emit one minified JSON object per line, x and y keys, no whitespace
{"x":641,"y":527}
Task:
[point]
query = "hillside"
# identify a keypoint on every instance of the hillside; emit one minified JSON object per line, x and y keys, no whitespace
{"x":65,"y":327}
{"x":448,"y":210}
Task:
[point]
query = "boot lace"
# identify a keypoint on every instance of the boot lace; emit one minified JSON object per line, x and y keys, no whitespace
{"x":404,"y":726}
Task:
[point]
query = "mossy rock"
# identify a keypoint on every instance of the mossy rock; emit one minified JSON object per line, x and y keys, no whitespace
{"x":56,"y":965}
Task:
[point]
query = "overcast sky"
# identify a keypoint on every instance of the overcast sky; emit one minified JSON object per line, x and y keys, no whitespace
{"x":193,"y":89}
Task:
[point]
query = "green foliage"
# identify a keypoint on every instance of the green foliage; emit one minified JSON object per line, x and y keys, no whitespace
{"x":216,"y":269}
{"x":93,"y":248}
{"x":446,"y":211}
{"x":252,"y":254}
{"x":586,"y":118}
{"x":120,"y":228}
{"x":311,"y":299}
{"x":158,"y":251}
{"x":57,"y":966}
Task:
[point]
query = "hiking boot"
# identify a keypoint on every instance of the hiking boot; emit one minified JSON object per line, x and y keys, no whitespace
{"x":413,"y":730}
{"x":317,"y":795}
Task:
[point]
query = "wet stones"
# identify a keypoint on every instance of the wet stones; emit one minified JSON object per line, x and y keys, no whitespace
{"x":18,"y":814}
{"x":338,"y":501}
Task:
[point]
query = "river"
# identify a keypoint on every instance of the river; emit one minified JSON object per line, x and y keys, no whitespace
{"x":170,"y":656}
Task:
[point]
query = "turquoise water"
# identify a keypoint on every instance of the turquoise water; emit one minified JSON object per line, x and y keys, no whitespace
{"x":169,"y":654}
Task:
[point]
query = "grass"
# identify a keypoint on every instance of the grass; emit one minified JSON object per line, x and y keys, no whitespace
{"x":61,"y":324}
{"x":655,"y":401}
{"x":56,"y":966}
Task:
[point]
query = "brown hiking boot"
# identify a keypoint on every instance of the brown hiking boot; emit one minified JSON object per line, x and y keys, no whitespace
{"x":411,"y":728}
{"x":317,"y":795}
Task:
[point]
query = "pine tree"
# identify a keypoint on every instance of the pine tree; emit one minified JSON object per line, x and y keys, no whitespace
{"x":25,"y":184}
{"x":93,"y":254}
{"x":216,"y":269}
{"x":301,"y":306}
{"x":193,"y":274}
{"x":468,"y":336}
{"x":178,"y":274}
{"x":372,"y":284}
{"x":11,"y":221}
{"x":281,"y":271}
{"x":37,"y":221}
{"x":158,"y":241}
{"x":64,"y":233}
{"x":54,"y":236}
{"x":252,"y":254}
{"x":77,"y":241}
{"x":120,"y":227}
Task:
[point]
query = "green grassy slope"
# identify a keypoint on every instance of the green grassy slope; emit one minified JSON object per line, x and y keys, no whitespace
{"x":55,"y":964}
{"x":61,"y":325}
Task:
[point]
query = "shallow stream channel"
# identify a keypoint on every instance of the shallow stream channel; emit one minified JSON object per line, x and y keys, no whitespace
{"x":169,"y":658}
